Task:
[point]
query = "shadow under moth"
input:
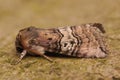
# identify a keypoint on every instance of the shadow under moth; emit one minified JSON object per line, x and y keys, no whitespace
{"x":84,"y":41}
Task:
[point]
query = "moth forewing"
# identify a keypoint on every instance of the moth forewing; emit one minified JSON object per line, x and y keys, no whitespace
{"x":85,"y":40}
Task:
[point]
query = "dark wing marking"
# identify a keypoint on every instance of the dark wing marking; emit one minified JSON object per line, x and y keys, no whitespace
{"x":99,"y":26}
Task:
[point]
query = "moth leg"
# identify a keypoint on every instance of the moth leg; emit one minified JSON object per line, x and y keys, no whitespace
{"x":46,"y":57}
{"x":22,"y":55}
{"x":39,"y":51}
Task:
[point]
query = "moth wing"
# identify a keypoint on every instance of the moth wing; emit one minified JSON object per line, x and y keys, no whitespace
{"x":99,"y":26}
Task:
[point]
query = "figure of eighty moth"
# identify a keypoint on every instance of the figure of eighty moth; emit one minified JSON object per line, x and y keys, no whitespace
{"x":84,"y":41}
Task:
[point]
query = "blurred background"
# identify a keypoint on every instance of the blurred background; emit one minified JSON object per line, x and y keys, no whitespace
{"x":18,"y":14}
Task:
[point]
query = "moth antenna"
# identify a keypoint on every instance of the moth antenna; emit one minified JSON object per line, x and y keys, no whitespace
{"x":22,"y":55}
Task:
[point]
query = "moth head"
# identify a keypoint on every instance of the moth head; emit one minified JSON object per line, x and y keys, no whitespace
{"x":25,"y":34}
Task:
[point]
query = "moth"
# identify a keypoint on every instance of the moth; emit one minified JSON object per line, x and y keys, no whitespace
{"x":84,"y":41}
